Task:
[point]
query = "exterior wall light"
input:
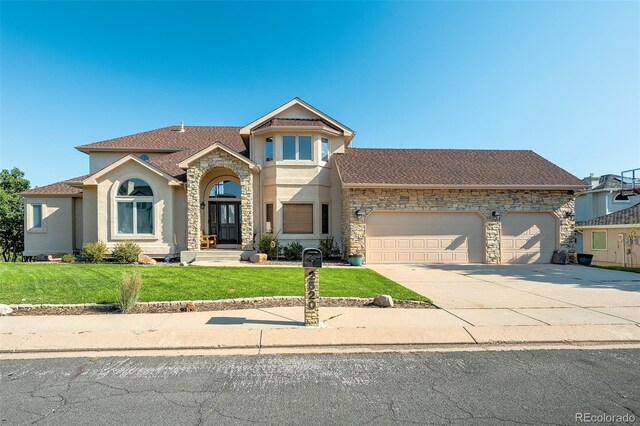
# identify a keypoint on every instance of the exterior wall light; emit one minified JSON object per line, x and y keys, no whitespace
{"x":496,"y":215}
{"x":202,"y":205}
{"x":360,"y":213}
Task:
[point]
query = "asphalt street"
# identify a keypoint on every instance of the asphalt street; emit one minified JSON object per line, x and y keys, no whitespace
{"x":528,"y":387}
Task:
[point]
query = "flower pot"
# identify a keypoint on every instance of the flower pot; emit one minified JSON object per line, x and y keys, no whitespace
{"x":584,"y":259}
{"x":355,"y":260}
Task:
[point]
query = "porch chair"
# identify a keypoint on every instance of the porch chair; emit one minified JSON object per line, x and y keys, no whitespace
{"x":208,"y":241}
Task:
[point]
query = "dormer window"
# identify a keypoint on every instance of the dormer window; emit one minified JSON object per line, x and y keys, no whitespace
{"x":297,"y":148}
{"x":268,"y":149}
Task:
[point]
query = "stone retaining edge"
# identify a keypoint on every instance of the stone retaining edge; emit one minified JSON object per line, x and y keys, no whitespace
{"x":199,"y":302}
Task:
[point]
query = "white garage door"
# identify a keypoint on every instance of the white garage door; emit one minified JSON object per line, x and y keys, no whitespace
{"x":424,"y":237}
{"x":528,"y":237}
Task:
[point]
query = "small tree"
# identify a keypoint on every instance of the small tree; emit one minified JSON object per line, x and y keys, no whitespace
{"x":12,"y":182}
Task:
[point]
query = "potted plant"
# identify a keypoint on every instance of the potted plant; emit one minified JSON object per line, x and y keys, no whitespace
{"x":355,"y":259}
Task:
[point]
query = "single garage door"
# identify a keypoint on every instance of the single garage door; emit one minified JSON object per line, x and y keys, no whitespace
{"x":424,"y":237}
{"x":528,"y":237}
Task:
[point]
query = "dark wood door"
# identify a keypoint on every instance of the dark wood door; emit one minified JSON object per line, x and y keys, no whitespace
{"x":228,"y":215}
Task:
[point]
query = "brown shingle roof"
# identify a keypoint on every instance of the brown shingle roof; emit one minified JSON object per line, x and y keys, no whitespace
{"x":628,"y":216}
{"x":58,"y":188}
{"x":171,"y":139}
{"x":451,"y":167}
{"x":295,"y":122}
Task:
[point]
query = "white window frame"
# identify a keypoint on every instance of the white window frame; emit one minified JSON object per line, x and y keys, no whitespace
{"x":273,"y":149}
{"x":297,"y":147}
{"x":30,"y":216}
{"x":606,"y":237}
{"x":115,"y":234}
{"x":322,"y":140}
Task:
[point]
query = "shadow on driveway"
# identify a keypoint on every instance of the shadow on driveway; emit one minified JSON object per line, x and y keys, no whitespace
{"x":576,"y":275}
{"x":243,"y":320}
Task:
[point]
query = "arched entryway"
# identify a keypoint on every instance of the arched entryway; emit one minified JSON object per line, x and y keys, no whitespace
{"x":212,"y":178}
{"x":221,"y":197}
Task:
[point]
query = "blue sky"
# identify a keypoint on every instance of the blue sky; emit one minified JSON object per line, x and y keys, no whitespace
{"x":560,"y":78}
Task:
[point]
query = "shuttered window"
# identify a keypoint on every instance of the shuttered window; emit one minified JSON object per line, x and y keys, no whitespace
{"x":297,"y":218}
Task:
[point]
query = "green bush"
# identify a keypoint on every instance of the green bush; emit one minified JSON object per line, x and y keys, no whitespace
{"x":129,"y":291}
{"x":328,"y":248}
{"x":94,"y":252}
{"x":270,"y":246}
{"x":126,"y":252}
{"x":68,"y":258}
{"x":293,"y":251}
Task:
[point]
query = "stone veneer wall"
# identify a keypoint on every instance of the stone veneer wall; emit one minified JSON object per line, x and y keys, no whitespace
{"x":464,"y":200}
{"x":195,"y":172}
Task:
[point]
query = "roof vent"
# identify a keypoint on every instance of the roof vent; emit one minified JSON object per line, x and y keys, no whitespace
{"x":182,"y":126}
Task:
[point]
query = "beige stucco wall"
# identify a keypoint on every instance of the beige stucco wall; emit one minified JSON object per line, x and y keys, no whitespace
{"x":100,"y":160}
{"x":617,"y":250}
{"x":560,"y":203}
{"x":299,"y":181}
{"x":162,"y":241}
{"x":56,"y":235}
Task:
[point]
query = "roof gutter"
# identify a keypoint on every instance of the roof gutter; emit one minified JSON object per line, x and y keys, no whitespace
{"x":433,"y":186}
{"x":628,"y":225}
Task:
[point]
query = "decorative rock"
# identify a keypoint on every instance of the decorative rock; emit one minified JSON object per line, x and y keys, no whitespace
{"x":143,"y":259}
{"x":184,"y":264}
{"x":5,"y":310}
{"x":384,"y":301}
{"x":258,"y":258}
{"x":246,"y":255}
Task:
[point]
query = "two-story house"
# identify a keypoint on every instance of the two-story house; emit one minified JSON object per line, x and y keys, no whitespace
{"x":601,"y":198}
{"x":293,"y":173}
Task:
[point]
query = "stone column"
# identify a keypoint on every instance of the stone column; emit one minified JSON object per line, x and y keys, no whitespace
{"x":194,"y":175}
{"x":493,"y":231}
{"x":246,"y":209}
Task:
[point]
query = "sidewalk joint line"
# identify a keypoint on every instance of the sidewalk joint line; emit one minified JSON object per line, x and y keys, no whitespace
{"x":612,"y":315}
{"x":528,"y":316}
{"x":459,"y":317}
{"x":470,"y":335}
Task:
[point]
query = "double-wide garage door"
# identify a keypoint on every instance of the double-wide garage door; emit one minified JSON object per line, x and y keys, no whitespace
{"x":452,"y":237}
{"x":424,"y":237}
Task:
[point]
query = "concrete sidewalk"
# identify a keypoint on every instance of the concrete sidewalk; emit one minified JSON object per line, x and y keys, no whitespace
{"x":264,"y":329}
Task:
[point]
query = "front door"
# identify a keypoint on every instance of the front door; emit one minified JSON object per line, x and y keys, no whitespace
{"x":224,"y":221}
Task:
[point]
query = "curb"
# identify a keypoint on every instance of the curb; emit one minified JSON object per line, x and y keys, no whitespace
{"x":26,"y":306}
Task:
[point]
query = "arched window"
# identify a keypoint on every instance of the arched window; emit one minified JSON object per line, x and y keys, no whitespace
{"x":225,"y":189}
{"x":134,"y":201}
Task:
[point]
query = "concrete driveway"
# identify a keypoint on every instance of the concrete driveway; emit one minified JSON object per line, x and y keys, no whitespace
{"x":525,"y":294}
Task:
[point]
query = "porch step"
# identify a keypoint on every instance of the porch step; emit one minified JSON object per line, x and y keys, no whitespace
{"x":216,"y":255}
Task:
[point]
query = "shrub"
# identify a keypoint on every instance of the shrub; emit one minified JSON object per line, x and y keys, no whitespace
{"x":270,"y":246}
{"x":126,"y":252}
{"x":328,"y":248}
{"x":94,"y":252}
{"x":129,"y":291}
{"x":293,"y":251}
{"x":68,"y":258}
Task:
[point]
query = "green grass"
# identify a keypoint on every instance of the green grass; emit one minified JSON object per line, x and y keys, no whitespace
{"x":619,"y":268}
{"x":37,"y":283}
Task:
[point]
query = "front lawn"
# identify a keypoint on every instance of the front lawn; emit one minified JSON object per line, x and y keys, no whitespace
{"x":619,"y":268}
{"x":38,"y":283}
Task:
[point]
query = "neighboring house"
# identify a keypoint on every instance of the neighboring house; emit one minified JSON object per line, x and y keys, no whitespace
{"x":613,"y":238}
{"x":601,"y":198}
{"x":293,"y":173}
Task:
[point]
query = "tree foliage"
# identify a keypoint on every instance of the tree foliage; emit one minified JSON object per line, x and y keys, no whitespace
{"x":12,"y":182}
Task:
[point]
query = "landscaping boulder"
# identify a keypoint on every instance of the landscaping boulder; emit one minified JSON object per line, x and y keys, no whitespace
{"x":384,"y":301}
{"x":143,"y":259}
{"x":258,"y":258}
{"x":246,"y":255}
{"x":5,"y":310}
{"x":184,"y":264}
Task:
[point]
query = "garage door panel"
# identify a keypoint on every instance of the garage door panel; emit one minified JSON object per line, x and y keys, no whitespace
{"x":528,"y":237}
{"x":424,"y":237}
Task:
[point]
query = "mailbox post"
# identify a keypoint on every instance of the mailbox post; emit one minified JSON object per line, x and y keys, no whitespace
{"x":311,"y":262}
